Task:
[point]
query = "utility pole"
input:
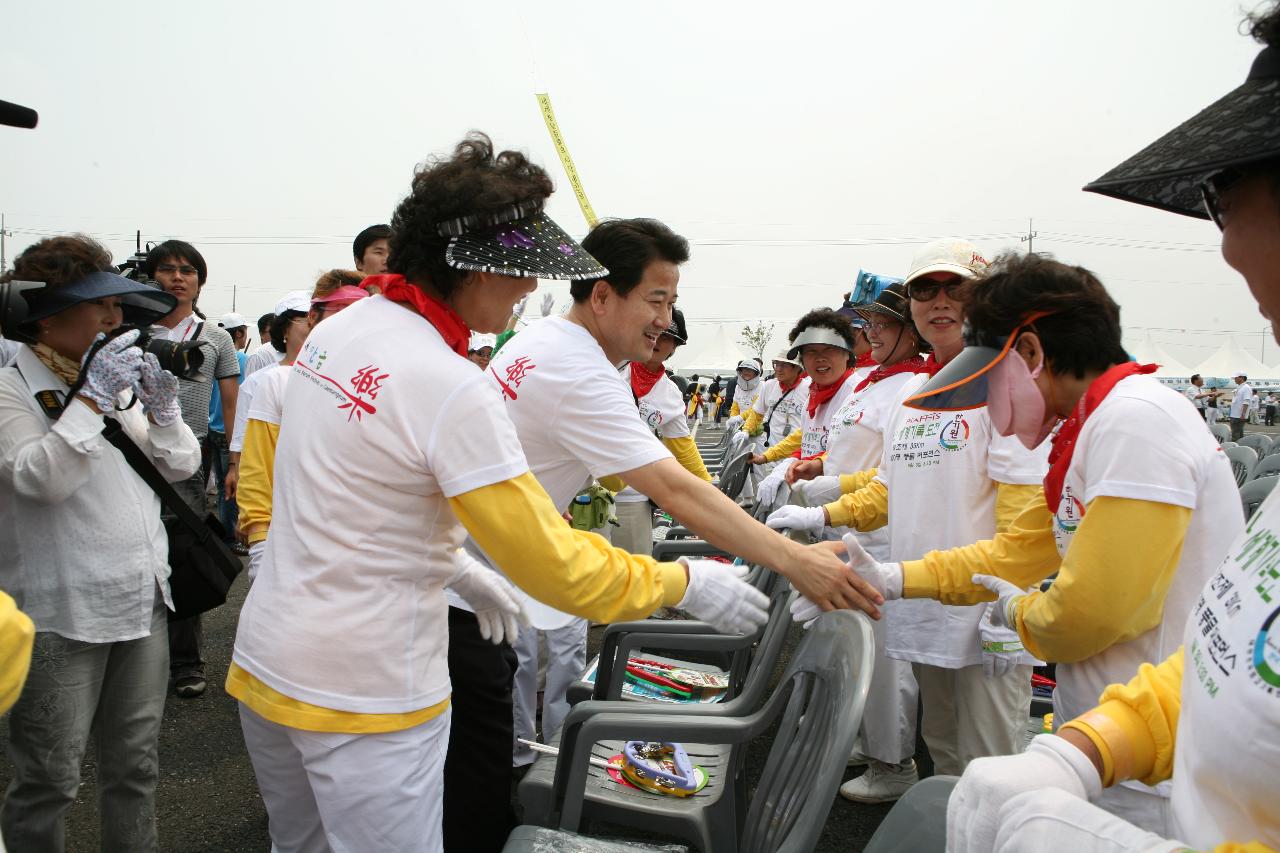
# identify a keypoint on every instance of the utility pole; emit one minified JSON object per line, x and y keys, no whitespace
{"x":3,"y":233}
{"x":233,"y":299}
{"x":1029,"y":239}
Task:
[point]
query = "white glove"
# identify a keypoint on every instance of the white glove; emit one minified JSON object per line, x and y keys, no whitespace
{"x":1002,"y":648}
{"x":256,"y":550}
{"x":719,"y":595}
{"x":803,"y":610}
{"x":988,"y":783}
{"x":885,"y":577}
{"x":1003,"y":610}
{"x":114,"y":368}
{"x":734,"y":423}
{"x":1050,"y":819}
{"x":157,"y":390}
{"x":491,"y":597}
{"x":809,"y":519}
{"x":767,"y":491}
{"x":548,"y":302}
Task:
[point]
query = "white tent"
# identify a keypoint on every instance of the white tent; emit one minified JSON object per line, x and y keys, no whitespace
{"x":711,"y":349}
{"x":1230,"y":358}
{"x":1147,"y":351}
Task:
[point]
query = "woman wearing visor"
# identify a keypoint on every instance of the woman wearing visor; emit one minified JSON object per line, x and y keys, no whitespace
{"x":1205,"y":720}
{"x":84,"y":551}
{"x":825,"y":342}
{"x":779,"y":407}
{"x":393,"y":450}
{"x":947,"y":479}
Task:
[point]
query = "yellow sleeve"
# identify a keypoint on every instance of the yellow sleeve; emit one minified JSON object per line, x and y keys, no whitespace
{"x":784,"y":448}
{"x":752,"y":423}
{"x":613,"y":483}
{"x":1246,"y":847}
{"x":1135,"y":725}
{"x":253,"y":492}
{"x":865,"y":509}
{"x":17,"y":633}
{"x":1011,"y":500}
{"x":685,"y":450}
{"x":733,"y":410}
{"x":850,"y":483}
{"x":570,"y":570}
{"x":1090,"y":607}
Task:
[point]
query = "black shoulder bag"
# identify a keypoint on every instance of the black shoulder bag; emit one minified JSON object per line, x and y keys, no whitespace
{"x":774,"y":408}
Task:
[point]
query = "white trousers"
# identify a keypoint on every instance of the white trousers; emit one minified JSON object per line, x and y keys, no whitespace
{"x":968,"y":716}
{"x":1051,"y":819}
{"x":350,"y":793}
{"x":566,"y":660}
{"x":889,"y":719}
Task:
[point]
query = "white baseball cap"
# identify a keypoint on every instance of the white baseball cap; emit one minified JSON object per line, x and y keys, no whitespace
{"x":232,"y":320}
{"x":294,"y":300}
{"x":949,"y":254}
{"x":1243,"y":373}
{"x":480,"y":341}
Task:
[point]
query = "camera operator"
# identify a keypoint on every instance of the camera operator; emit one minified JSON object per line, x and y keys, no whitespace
{"x":85,"y":552}
{"x":181,"y":271}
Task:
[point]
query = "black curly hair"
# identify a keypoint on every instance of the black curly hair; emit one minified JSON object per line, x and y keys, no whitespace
{"x":825,"y":318}
{"x":1264,"y":25}
{"x":474,"y":180}
{"x":1082,"y":332}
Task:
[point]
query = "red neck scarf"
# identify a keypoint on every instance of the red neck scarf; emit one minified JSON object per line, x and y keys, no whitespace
{"x":1064,"y":443}
{"x":818,"y":396}
{"x":864,"y":360}
{"x":787,"y":389}
{"x":447,"y":322}
{"x":931,"y":365}
{"x":643,"y":380}
{"x":915,"y":364}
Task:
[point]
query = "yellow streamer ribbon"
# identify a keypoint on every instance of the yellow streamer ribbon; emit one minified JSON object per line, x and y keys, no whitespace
{"x":549,"y":116}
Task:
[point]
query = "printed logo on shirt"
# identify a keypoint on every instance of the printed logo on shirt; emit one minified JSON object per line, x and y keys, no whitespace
{"x":1266,"y":654}
{"x":652,"y":416}
{"x":356,"y":396}
{"x":516,"y":372}
{"x":955,"y":434}
{"x":914,"y":442}
{"x":1067,"y":519}
{"x":814,"y":442}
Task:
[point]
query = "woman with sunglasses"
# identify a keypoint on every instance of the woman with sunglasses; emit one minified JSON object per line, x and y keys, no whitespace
{"x":946,"y":480}
{"x":1205,"y":720}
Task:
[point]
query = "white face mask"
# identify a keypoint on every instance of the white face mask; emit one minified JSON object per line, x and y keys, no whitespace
{"x":748,"y":384}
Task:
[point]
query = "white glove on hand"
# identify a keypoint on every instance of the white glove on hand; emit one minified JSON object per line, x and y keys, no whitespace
{"x":734,"y":423}
{"x":491,"y":597}
{"x":256,"y":550}
{"x":1002,"y":648}
{"x":1050,"y":819}
{"x":767,"y":491}
{"x":1002,"y":612}
{"x":804,"y":610}
{"x":809,"y":519}
{"x":719,"y":595}
{"x":988,"y":783}
{"x":115,"y":368}
{"x":885,"y":577}
{"x":157,"y":389}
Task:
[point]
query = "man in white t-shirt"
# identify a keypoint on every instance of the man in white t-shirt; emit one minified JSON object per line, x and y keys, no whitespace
{"x":575,"y":416}
{"x":1196,"y":394}
{"x":1241,"y":404}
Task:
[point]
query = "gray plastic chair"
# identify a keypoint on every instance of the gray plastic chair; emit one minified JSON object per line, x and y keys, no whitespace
{"x":1268,"y":466}
{"x":1254,"y":492}
{"x":918,"y":822}
{"x":1242,"y":460}
{"x":734,"y":475}
{"x":1274,"y":449}
{"x":1259,"y":442}
{"x":1220,"y":432}
{"x":817,"y":708}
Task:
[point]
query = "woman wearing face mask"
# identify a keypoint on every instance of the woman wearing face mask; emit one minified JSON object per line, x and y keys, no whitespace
{"x":946,"y":480}
{"x":824,"y":341}
{"x":745,"y":391}
{"x":1044,"y":346}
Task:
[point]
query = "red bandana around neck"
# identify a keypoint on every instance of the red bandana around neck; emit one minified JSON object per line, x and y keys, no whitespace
{"x":643,"y":380}
{"x":915,"y":364}
{"x":864,"y":360}
{"x":786,"y":389}
{"x":447,"y":322}
{"x":1064,"y":443}
{"x":818,"y":396}
{"x":931,"y":365}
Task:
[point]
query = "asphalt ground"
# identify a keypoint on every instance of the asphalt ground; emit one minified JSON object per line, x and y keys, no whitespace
{"x":207,"y":799}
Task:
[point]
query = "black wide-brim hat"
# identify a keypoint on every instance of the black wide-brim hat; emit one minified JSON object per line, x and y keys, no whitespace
{"x":677,"y":328}
{"x":519,"y":241}
{"x":142,"y":304}
{"x":1241,"y":128}
{"x":892,"y":302}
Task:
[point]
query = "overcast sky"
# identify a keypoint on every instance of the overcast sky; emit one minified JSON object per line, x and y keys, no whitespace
{"x":791,"y":143}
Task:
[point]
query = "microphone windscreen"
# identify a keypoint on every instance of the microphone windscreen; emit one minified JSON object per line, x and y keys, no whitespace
{"x":16,"y":116}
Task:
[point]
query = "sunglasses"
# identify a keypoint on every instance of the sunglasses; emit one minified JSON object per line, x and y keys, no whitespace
{"x":185,"y":269}
{"x":1212,"y":189}
{"x":926,"y":289}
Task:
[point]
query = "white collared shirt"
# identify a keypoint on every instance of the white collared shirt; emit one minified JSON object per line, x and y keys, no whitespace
{"x":80,"y":534}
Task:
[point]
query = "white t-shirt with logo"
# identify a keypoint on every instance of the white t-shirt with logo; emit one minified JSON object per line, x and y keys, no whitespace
{"x":1225,"y":784}
{"x":1242,"y":397}
{"x":783,"y":411}
{"x":244,"y":402}
{"x":1144,"y":443}
{"x":941,"y":470}
{"x":743,"y":397}
{"x":385,"y":423}
{"x":662,"y":411}
{"x":574,"y":415}
{"x":815,"y":429}
{"x":267,"y":403}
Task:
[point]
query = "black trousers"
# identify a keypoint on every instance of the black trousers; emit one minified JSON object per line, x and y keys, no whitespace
{"x":477,"y":770}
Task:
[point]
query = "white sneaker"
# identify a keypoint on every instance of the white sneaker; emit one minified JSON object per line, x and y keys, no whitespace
{"x":882,"y":783}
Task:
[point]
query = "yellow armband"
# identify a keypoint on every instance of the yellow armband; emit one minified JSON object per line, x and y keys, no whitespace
{"x":733,"y":410}
{"x":753,"y":422}
{"x":850,"y":483}
{"x":257,"y":464}
{"x":613,"y":483}
{"x":17,"y":634}
{"x":784,"y":448}
{"x":570,"y":570}
{"x":866,"y":509}
{"x":1011,"y":500}
{"x":685,"y":450}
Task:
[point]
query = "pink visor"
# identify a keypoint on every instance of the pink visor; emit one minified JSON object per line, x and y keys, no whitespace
{"x":344,"y":295}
